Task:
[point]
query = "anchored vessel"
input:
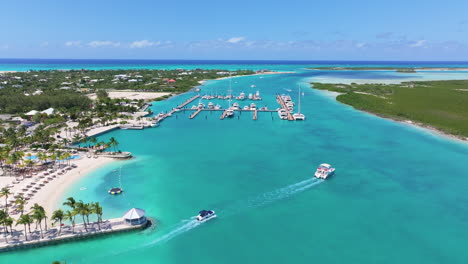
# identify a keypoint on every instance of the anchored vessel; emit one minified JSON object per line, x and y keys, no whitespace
{"x":299,"y":115}
{"x":205,"y":215}
{"x":324,"y":171}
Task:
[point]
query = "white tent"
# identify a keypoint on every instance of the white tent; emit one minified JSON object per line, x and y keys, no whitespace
{"x":135,"y":216}
{"x":31,"y":113}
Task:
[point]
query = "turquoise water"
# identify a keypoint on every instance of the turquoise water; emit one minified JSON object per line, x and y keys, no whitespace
{"x":399,"y":194}
{"x":34,"y":157}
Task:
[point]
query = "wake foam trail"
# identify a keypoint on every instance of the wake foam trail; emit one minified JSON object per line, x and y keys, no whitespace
{"x":185,"y":226}
{"x":268,"y":197}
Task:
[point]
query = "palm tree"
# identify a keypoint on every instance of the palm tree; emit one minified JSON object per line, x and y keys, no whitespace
{"x":82,"y":210}
{"x":97,"y":209}
{"x":113,"y":143}
{"x":70,"y":216}
{"x":70,"y":202}
{"x":25,"y":220}
{"x":20,"y":202}
{"x":5,"y":192}
{"x":8,"y":221}
{"x":3,"y":216}
{"x":58,"y":216}
{"x":38,"y":214}
{"x":92,"y":140}
{"x":66,"y":156}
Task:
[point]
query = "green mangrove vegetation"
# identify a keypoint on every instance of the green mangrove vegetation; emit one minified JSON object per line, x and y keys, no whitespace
{"x":442,"y":105}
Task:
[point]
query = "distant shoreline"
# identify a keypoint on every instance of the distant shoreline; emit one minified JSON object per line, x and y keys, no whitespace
{"x":401,"y":69}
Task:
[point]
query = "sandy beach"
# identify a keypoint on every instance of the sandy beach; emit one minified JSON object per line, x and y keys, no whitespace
{"x":147,"y":96}
{"x":49,"y":195}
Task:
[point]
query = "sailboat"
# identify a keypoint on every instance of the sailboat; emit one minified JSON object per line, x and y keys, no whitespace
{"x":230,"y":110}
{"x":298,"y":115}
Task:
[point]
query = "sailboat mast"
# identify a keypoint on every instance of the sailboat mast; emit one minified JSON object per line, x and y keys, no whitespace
{"x":299,"y":99}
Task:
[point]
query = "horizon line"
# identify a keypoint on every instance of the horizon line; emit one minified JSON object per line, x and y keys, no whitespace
{"x":238,"y":60}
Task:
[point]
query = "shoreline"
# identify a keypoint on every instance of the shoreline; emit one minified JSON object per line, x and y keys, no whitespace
{"x":50,"y":195}
{"x":389,"y":69}
{"x":414,"y":124}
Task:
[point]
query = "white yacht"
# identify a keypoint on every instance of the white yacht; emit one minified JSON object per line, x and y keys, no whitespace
{"x":324,"y":170}
{"x":242,"y":96}
{"x":235,"y":106}
{"x":205,"y":215}
{"x":282,"y":114}
{"x":253,"y":106}
{"x":201,"y":105}
{"x":194,"y":107}
{"x":246,"y":108}
{"x":210,"y":105}
{"x":250,"y":96}
{"x":217,"y":107}
{"x":229,"y":113}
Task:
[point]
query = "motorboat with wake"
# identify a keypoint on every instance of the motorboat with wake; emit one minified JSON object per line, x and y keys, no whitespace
{"x":324,"y":171}
{"x":205,"y":215}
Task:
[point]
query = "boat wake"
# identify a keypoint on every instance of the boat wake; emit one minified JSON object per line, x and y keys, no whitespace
{"x":183,"y":227}
{"x":267,"y":197}
{"x":237,"y":207}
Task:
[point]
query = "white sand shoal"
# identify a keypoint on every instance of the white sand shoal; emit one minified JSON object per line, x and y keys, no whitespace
{"x":131,"y":95}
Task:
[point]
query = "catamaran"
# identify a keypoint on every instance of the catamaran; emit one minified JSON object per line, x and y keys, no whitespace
{"x":324,"y":171}
{"x":299,"y":115}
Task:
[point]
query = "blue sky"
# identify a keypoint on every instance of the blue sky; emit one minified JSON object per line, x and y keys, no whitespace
{"x":290,"y":30}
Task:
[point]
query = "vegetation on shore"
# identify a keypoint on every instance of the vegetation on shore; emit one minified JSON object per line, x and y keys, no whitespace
{"x":66,"y":90}
{"x":439,"y":104}
{"x":37,"y":215}
{"x":397,"y":69}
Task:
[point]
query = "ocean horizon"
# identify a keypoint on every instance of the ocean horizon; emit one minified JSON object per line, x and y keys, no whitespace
{"x":24,"y":64}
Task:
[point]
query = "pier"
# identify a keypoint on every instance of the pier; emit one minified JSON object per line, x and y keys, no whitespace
{"x":17,"y":240}
{"x":254,"y":114}
{"x":283,"y":105}
{"x":196,"y":113}
{"x":223,"y":115}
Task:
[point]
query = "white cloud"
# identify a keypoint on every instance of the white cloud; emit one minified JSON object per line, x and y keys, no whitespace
{"x":418,"y":43}
{"x":235,"y":39}
{"x":143,"y":44}
{"x":75,"y":43}
{"x":103,"y":43}
{"x":361,"y":45}
{"x":44,"y":44}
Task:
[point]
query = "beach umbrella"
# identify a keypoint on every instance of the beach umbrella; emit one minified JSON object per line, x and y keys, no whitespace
{"x":32,"y":183}
{"x":38,"y":187}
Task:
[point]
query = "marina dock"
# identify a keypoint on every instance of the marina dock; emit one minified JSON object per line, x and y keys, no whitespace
{"x":196,"y":113}
{"x":283,"y":105}
{"x":254,"y":115}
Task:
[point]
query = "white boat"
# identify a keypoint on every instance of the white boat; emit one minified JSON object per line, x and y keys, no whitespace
{"x":253,"y":106}
{"x":229,"y":113}
{"x":242,"y":96}
{"x":250,"y":96}
{"x":177,"y":109}
{"x":324,"y":171}
{"x":154,"y":124}
{"x":246,"y":108}
{"x":253,"y":86}
{"x":217,"y":107}
{"x":201,"y":105}
{"x":210,"y":105}
{"x":235,"y":106}
{"x":299,"y":115}
{"x":194,"y":107}
{"x":205,"y":215}
{"x":282,"y":114}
